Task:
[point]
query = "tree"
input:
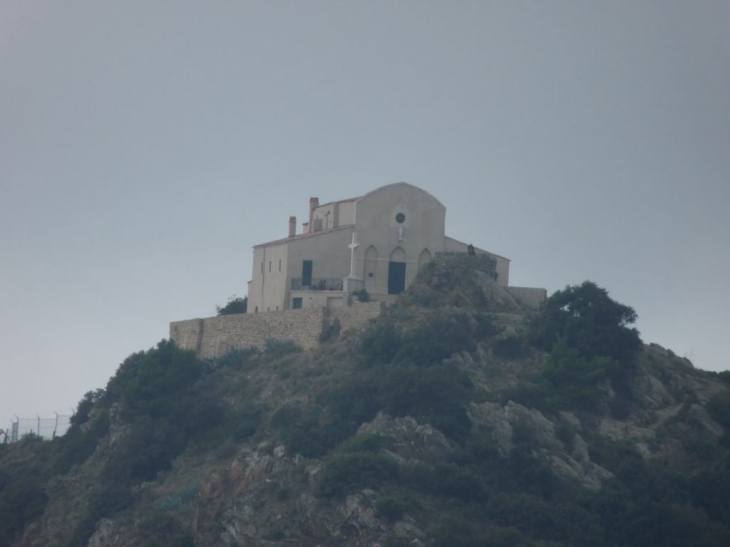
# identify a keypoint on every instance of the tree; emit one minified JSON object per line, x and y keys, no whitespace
{"x":236,"y":304}
{"x":589,"y":321}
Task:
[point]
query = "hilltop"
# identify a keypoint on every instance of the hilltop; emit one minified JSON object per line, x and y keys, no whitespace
{"x":456,"y":418}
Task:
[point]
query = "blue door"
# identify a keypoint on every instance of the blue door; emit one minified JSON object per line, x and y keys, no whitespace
{"x":307,"y":273}
{"x":396,"y":277}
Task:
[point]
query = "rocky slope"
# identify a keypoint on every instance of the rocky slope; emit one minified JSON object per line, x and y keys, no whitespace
{"x":434,"y":426}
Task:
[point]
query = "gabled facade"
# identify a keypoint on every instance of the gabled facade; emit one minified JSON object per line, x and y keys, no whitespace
{"x":377,"y":241}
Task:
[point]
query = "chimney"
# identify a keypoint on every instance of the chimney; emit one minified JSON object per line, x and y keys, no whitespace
{"x":292,"y":226}
{"x":313,"y":204}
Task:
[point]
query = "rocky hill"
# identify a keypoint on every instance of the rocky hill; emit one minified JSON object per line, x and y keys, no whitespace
{"x":458,"y":418}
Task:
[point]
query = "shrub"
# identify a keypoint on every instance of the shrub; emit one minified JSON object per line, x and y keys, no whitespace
{"x":276,"y":348}
{"x":589,"y":321}
{"x":156,"y":383}
{"x":719,"y":408}
{"x":362,"y":295}
{"x":369,"y":442}
{"x":390,"y":509}
{"x":75,"y":447}
{"x":236,"y":359}
{"x":485,"y":326}
{"x":436,"y":395}
{"x":436,"y":340}
{"x":346,"y":473}
{"x":235,"y":304}
{"x":331,"y":331}
{"x":511,"y":347}
{"x":22,"y":499}
{"x":159,"y":529}
{"x":147,"y":448}
{"x":575,"y":378}
{"x":236,"y":425}
{"x":380,"y":343}
{"x":83,"y":410}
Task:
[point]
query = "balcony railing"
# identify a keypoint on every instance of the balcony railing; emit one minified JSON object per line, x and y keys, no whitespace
{"x":321,"y":284}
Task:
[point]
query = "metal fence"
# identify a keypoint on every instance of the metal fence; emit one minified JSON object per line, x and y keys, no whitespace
{"x":45,"y":428}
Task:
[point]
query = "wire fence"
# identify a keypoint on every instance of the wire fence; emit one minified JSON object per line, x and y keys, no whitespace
{"x":45,"y":428}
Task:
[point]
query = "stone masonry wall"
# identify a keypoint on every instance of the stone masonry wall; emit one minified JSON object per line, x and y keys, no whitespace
{"x":482,"y":261}
{"x":357,"y":315}
{"x":215,"y":336}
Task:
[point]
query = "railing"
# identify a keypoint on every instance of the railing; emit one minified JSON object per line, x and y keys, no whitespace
{"x":332,"y":284}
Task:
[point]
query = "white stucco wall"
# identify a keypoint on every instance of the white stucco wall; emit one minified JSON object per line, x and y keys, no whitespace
{"x":328,"y":251}
{"x":376,"y":225}
{"x":374,"y":218}
{"x":346,"y":213}
{"x":267,"y":289}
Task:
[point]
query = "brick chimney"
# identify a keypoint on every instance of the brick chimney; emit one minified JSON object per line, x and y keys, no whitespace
{"x":292,"y":226}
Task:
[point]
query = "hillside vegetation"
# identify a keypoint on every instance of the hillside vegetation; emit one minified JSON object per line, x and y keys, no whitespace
{"x":458,"y":418}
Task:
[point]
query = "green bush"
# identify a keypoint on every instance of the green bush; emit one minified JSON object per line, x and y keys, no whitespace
{"x":156,"y":383}
{"x":719,"y":408}
{"x":437,"y":395}
{"x":575,"y":378}
{"x":331,"y":331}
{"x":74,"y":448}
{"x":275,"y":348}
{"x":390,"y":509}
{"x":362,"y":295}
{"x":22,"y":499}
{"x":147,"y":448}
{"x":510,"y":347}
{"x":235,"y":304}
{"x":236,"y":425}
{"x":236,"y":359}
{"x":83,"y":410}
{"x":380,"y":343}
{"x":159,"y":529}
{"x":369,"y":442}
{"x":347,"y":473}
{"x":589,"y":321}
{"x":302,"y":433}
{"x":436,"y":340}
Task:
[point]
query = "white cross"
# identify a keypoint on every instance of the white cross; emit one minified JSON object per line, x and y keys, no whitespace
{"x":352,"y":246}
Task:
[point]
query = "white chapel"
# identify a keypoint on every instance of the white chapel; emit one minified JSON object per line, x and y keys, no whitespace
{"x":377,"y":241}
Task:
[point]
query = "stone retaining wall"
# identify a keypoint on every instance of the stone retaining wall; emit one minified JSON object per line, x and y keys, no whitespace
{"x":215,"y":336}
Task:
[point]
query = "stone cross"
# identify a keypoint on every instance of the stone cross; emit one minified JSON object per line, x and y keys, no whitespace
{"x":352,"y":246}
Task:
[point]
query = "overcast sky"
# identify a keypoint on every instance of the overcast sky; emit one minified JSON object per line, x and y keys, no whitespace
{"x":146,"y":146}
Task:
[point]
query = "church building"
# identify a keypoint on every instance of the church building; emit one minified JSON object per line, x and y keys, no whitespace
{"x":377,"y":242}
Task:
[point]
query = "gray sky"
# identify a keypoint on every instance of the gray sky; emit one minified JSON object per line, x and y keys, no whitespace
{"x":146,"y":146}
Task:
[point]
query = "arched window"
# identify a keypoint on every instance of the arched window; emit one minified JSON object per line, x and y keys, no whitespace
{"x":398,"y":255}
